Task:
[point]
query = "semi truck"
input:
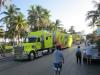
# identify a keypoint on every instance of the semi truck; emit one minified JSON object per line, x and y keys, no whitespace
{"x":40,"y":42}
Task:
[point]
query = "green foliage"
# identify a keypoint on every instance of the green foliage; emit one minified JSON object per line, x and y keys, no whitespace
{"x":5,"y":48}
{"x":38,"y":17}
{"x":2,"y":48}
{"x":93,"y":14}
{"x":1,"y":32}
{"x":18,"y":27}
{"x":72,"y":30}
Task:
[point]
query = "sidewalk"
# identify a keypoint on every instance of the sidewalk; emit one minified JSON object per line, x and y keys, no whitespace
{"x":6,"y":56}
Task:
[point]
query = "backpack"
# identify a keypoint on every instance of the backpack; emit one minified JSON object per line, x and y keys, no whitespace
{"x":78,"y":53}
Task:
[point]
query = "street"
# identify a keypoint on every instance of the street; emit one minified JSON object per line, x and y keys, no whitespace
{"x":44,"y":66}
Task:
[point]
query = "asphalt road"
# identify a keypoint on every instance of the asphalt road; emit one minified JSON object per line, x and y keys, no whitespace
{"x":44,"y":66}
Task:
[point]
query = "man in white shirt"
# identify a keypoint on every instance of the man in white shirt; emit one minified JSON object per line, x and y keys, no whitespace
{"x":88,"y":53}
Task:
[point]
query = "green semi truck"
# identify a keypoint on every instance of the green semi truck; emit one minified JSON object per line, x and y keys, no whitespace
{"x":40,"y":42}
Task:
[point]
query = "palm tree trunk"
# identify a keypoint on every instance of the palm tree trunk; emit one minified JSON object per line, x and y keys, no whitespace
{"x":18,"y":38}
{"x":38,"y":28}
{"x":5,"y":38}
{"x":13,"y":39}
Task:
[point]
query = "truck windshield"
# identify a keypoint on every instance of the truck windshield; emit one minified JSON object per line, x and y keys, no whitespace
{"x":32,"y":39}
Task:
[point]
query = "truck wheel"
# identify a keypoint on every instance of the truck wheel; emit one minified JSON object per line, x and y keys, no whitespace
{"x":31,"y":56}
{"x":50,"y":50}
{"x":53,"y":50}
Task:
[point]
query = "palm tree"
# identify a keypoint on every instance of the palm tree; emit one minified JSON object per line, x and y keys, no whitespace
{"x":71,"y":30}
{"x":51,"y":26}
{"x":93,"y":15}
{"x":38,"y":17}
{"x":10,"y":14}
{"x":21,"y":25}
{"x":44,"y":19}
{"x":9,"y":19}
{"x":57,"y":24}
{"x":39,"y":11}
{"x":32,"y":17}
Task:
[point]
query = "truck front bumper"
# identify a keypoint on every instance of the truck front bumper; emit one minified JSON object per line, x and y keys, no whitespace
{"x":20,"y":56}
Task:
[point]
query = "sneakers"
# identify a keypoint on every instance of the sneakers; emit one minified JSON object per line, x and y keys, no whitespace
{"x":57,"y":69}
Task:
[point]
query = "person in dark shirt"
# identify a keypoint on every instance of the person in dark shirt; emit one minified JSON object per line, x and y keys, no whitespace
{"x":78,"y":54}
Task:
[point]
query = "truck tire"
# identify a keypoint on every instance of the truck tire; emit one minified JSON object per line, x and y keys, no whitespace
{"x":50,"y":50}
{"x":31,"y":55}
{"x":53,"y":50}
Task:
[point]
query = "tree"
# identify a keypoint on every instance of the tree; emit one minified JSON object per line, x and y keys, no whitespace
{"x":21,"y":25}
{"x":71,"y":30}
{"x":45,"y":19}
{"x":38,"y":17}
{"x":32,"y":17}
{"x":93,"y":15}
{"x":57,"y":24}
{"x":51,"y":26}
{"x":10,"y":14}
{"x":9,"y":19}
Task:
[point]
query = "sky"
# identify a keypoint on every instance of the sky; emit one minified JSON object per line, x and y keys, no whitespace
{"x":70,"y":12}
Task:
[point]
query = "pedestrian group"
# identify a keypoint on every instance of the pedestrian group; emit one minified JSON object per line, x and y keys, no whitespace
{"x":59,"y":58}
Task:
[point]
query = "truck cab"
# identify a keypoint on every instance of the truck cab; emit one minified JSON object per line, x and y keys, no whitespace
{"x":35,"y":45}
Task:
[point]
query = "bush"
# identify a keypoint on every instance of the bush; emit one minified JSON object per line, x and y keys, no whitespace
{"x":2,"y":48}
{"x":8,"y":50}
{"x":5,"y":49}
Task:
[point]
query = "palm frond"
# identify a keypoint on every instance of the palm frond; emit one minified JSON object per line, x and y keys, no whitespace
{"x":6,"y":13}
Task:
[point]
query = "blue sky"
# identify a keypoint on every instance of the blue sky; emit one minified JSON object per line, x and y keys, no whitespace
{"x":70,"y":12}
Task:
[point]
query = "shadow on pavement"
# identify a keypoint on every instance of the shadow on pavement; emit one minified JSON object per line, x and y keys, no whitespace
{"x":93,"y":63}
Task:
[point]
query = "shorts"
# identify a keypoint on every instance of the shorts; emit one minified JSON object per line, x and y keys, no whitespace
{"x":58,"y":65}
{"x":89,"y":56}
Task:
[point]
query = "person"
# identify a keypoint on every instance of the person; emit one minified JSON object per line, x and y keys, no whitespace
{"x":78,"y":55}
{"x":88,"y":53}
{"x":58,"y":60}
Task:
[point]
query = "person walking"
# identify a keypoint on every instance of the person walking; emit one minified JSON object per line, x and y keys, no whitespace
{"x":58,"y":60}
{"x":78,"y":55}
{"x":88,"y":53}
